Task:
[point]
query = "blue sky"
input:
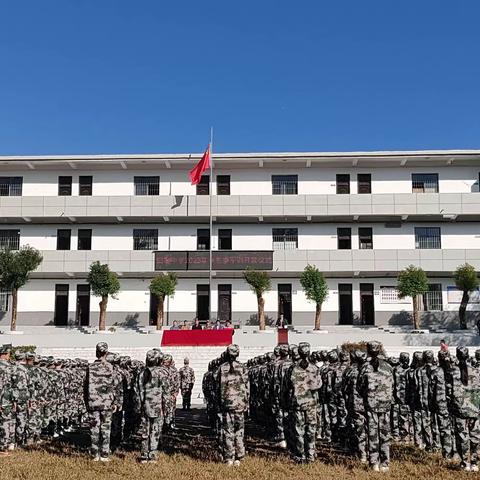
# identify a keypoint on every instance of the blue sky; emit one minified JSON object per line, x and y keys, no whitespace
{"x":126,"y":76}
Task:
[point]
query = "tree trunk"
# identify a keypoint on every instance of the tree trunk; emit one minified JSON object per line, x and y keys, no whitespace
{"x":13,"y":322}
{"x":318,"y":312}
{"x":103,"y":313}
{"x":261,"y":313}
{"x":416,"y":313}
{"x":160,"y":312}
{"x":463,"y":309}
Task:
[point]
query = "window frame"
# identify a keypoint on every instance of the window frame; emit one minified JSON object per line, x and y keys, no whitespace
{"x":346,"y":184}
{"x":284,"y":184}
{"x":146,"y":235}
{"x":11,"y":186}
{"x":10,"y":238}
{"x":423,"y":181}
{"x":340,"y":239}
{"x":67,"y":239}
{"x":362,"y":183}
{"x":362,"y":233}
{"x":421,"y":240}
{"x":87,"y":238}
{"x":146,"y":185}
{"x":203,"y":186}
{"x":65,"y":185}
{"x":85,"y":189}
{"x":203,"y":233}
{"x":227,"y":236}
{"x":284,"y":238}
{"x":223,"y":184}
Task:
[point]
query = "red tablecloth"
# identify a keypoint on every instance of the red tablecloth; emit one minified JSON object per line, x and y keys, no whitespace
{"x":197,"y":337}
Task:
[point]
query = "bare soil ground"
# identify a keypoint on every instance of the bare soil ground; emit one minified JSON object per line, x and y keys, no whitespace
{"x":191,"y":453}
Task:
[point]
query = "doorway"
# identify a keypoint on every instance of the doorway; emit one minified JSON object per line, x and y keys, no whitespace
{"x":285,"y":302}
{"x":367,"y":305}
{"x":203,"y":302}
{"x":345,"y":304}
{"x":60,"y":316}
{"x":153,"y":309}
{"x":83,"y":305}
{"x":225,"y":303}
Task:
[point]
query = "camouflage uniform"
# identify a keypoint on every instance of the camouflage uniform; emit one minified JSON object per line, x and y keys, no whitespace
{"x":99,"y":398}
{"x":354,"y":404}
{"x":233,"y":394}
{"x":302,"y":385}
{"x":414,"y":399}
{"x":7,"y":402}
{"x":400,"y":397}
{"x":278,"y":372}
{"x":465,"y":408}
{"x":22,"y":394}
{"x":187,"y":381}
{"x":173,"y":387}
{"x":151,"y":389}
{"x":376,"y":386}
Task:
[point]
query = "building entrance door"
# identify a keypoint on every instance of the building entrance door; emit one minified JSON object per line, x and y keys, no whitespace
{"x":345,"y":304}
{"x":225,"y":303}
{"x":203,"y":302}
{"x":60,"y":315}
{"x":83,"y":305}
{"x":367,"y":305}
{"x":285,"y":302}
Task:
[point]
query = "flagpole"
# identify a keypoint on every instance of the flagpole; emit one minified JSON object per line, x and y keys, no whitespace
{"x":210,"y":191}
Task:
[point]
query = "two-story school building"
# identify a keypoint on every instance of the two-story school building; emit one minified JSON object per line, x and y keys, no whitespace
{"x":359,"y":217}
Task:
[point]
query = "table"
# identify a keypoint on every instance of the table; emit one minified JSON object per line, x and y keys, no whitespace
{"x":197,"y":338}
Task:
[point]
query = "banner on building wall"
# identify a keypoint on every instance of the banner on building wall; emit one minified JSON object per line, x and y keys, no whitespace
{"x":454,"y":295}
{"x":221,"y":260}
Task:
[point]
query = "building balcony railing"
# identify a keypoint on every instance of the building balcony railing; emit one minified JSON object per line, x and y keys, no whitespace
{"x":144,"y":263}
{"x":242,"y":207}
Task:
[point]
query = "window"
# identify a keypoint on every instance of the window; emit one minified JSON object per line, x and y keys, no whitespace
{"x":425,"y":182}
{"x":285,"y":238}
{"x":427,"y":237}
{"x":203,"y":239}
{"x":284,"y":184}
{"x":344,"y":238}
{"x":84,"y":239}
{"x":225,"y":239}
{"x":343,"y":183}
{"x":390,"y":295}
{"x":203,"y":187}
{"x":11,"y":186}
{"x":147,"y":185}
{"x":145,"y":239}
{"x":4,"y":300}
{"x":432,"y":300}
{"x":223,"y":184}
{"x":364,"y":181}
{"x":63,"y":238}
{"x":10,"y":239}
{"x":85,"y":185}
{"x":64,"y":186}
{"x":365,"y":238}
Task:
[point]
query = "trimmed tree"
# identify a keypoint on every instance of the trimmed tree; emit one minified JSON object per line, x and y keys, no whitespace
{"x":163,"y":285}
{"x":315,"y":288}
{"x":15,"y":269}
{"x":413,"y":282}
{"x":104,"y":283}
{"x":260,"y":283}
{"x":466,"y":280}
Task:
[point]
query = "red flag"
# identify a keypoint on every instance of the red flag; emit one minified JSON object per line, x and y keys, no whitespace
{"x":204,"y":164}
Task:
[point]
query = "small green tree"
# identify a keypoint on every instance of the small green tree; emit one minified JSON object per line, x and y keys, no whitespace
{"x":15,"y":269}
{"x":103,"y":283}
{"x":413,"y":282}
{"x":163,"y":285}
{"x":466,"y":280}
{"x":259,"y":283}
{"x":315,"y":288}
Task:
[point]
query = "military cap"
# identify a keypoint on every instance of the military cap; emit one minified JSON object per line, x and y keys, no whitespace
{"x":5,"y":349}
{"x":101,"y":348}
{"x":30,"y":356}
{"x":20,"y":356}
{"x":233,"y":350}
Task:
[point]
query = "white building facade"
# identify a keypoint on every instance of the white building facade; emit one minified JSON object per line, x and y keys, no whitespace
{"x":359,"y":217}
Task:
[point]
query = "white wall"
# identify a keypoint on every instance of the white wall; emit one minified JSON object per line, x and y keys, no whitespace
{"x":319,"y":236}
{"x":252,"y":181}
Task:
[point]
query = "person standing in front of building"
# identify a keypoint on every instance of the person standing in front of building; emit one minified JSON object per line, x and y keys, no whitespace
{"x":187,"y":380}
{"x":7,"y":401}
{"x":233,"y":386}
{"x":302,"y":386}
{"x":100,"y":389}
{"x":376,"y":386}
{"x":465,"y":380}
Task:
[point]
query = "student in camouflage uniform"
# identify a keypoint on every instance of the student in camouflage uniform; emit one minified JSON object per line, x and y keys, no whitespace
{"x":376,"y":386}
{"x":278,"y":370}
{"x":187,"y":381}
{"x":233,"y":394}
{"x":355,"y":405}
{"x":22,"y":393}
{"x":151,"y":388}
{"x":7,"y":401}
{"x":400,"y":398}
{"x":302,"y":385}
{"x":414,"y":399}
{"x":100,"y":389}
{"x":173,"y":387}
{"x":466,"y":410}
